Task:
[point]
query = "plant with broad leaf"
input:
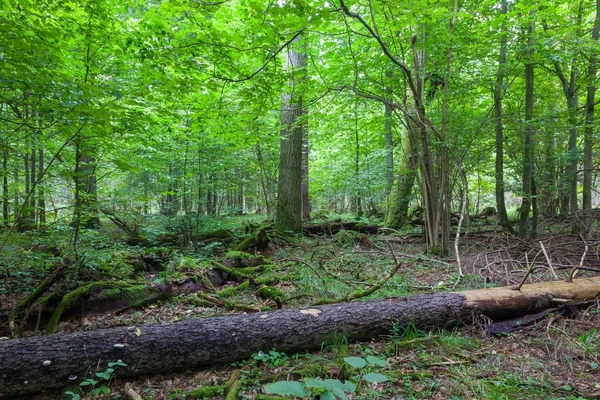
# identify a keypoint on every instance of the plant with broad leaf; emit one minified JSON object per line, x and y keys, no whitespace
{"x":103,"y":376}
{"x":331,"y":389}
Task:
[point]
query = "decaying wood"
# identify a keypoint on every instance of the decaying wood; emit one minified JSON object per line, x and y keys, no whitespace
{"x":331,"y":228}
{"x":30,"y":365}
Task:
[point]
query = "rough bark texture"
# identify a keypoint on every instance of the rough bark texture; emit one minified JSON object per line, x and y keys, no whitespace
{"x":528,"y":140}
{"x":400,"y":196}
{"x":29,"y":365}
{"x":288,"y":215}
{"x":589,"y":119}
{"x":498,"y":89}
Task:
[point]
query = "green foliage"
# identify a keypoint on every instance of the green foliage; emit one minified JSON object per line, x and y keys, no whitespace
{"x":332,"y":388}
{"x":91,"y":385}
{"x":273,"y":358}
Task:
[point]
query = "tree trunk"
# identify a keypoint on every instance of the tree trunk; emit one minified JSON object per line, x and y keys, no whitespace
{"x":400,"y":196}
{"x":86,"y":215}
{"x":305,"y":197}
{"x":528,"y":140}
{"x":589,"y":119}
{"x":357,"y":183}
{"x":288,"y":215}
{"x":41,"y":200}
{"x":389,"y":143}
{"x":5,"y":192}
{"x":29,"y":365}
{"x":498,"y":89}
{"x":32,"y":197}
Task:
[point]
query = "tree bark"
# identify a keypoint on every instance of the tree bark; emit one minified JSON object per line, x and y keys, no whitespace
{"x":498,"y":89}
{"x":528,"y":140}
{"x":29,"y":365}
{"x":305,"y":191}
{"x":389,"y":143}
{"x":288,"y":215}
{"x":399,"y":198}
{"x":5,"y":192}
{"x":589,"y":119}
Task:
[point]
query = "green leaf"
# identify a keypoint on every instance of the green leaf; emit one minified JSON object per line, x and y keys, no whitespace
{"x":74,"y":396}
{"x":350,"y":386}
{"x":356,"y":362}
{"x":103,"y":375}
{"x":567,"y":388}
{"x":117,"y":364}
{"x":376,"y":361}
{"x":374,"y":377}
{"x":593,"y":365}
{"x":330,"y":385}
{"x":327,"y":396}
{"x":88,"y":382}
{"x":286,"y":388}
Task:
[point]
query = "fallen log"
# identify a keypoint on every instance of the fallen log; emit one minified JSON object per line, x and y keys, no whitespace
{"x":29,"y":365}
{"x":331,"y":228}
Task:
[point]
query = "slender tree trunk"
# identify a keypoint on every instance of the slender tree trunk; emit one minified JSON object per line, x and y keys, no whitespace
{"x":389,"y":144}
{"x":263,"y":178}
{"x":288,"y":215}
{"x":16,"y":205}
{"x":41,"y":200}
{"x":444,"y":152}
{"x":23,"y":220}
{"x":305,"y":152}
{"x":358,"y":194}
{"x":499,"y":125}
{"x":589,"y":118}
{"x":5,"y":191}
{"x":32,"y":197}
{"x":528,"y":139}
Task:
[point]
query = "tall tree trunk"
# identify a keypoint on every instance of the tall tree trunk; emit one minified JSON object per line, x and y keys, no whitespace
{"x":389,"y":142}
{"x":399,"y":198}
{"x":305,"y":180}
{"x":288,"y":216}
{"x":41,"y":200}
{"x":444,"y":202}
{"x":358,"y":189}
{"x":263,"y":178}
{"x":32,"y":197}
{"x":86,"y":215}
{"x":589,"y":118}
{"x":16,"y":201}
{"x":5,"y":192}
{"x":498,"y":89}
{"x":528,"y":139}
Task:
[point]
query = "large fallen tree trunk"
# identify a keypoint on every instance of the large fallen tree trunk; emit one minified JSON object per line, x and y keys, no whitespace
{"x":30,"y":365}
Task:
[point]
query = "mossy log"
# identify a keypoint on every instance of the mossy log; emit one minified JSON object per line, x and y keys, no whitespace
{"x":104,"y":296}
{"x":29,"y":365}
{"x":331,"y":228}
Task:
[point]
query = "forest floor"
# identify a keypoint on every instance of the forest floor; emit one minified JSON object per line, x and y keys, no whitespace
{"x":556,"y":358}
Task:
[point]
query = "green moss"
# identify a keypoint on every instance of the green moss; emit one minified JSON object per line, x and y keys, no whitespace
{"x":206,"y":392}
{"x":269,"y":292}
{"x":231,"y":290}
{"x":243,"y":259}
{"x":67,"y":300}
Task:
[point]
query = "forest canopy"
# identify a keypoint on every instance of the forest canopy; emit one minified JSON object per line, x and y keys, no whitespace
{"x":179,"y":108}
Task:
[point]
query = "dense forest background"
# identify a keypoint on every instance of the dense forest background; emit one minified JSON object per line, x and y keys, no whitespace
{"x":187,"y":107}
{"x":189,"y":159}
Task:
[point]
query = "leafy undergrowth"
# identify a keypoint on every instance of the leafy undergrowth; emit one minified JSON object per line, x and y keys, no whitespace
{"x":556,"y":358}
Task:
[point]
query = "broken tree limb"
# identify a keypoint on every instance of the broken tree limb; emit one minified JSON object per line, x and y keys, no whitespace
{"x":30,"y":365}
